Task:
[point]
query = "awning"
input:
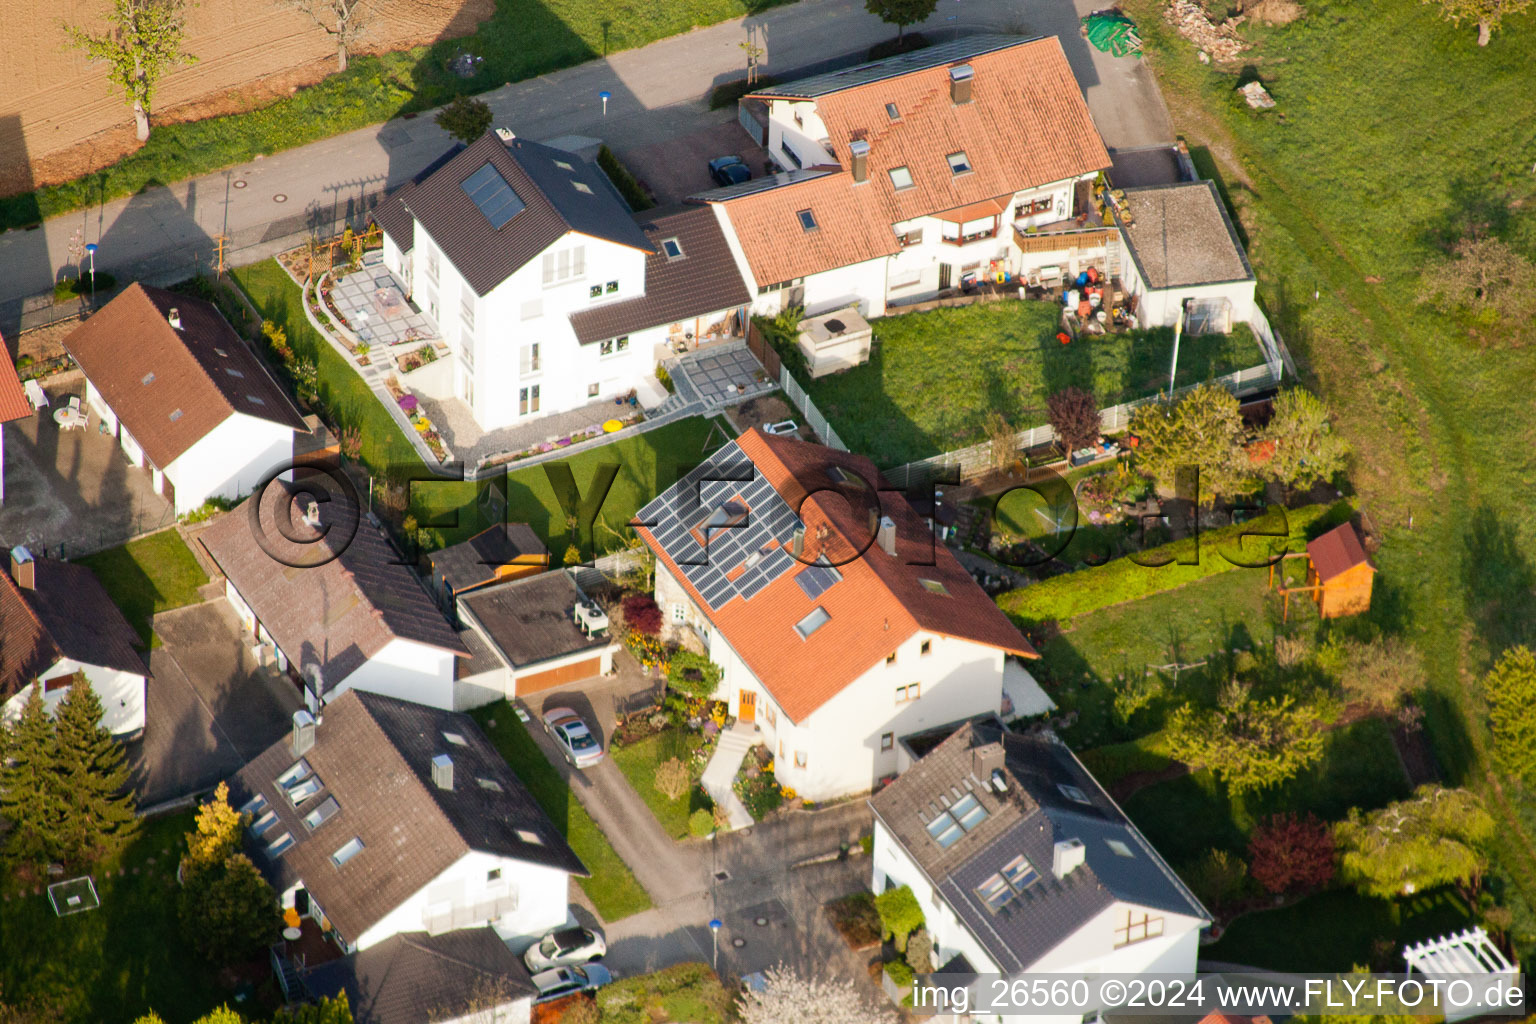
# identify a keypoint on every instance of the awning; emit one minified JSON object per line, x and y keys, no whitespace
{"x":976,"y":211}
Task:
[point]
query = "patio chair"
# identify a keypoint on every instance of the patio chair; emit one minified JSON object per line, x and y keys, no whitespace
{"x":73,"y":404}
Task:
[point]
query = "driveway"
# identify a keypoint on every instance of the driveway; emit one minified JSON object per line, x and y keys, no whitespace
{"x":677,"y":168}
{"x":211,"y":708}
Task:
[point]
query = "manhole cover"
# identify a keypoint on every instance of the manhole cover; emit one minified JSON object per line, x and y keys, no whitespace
{"x":722,"y":876}
{"x":280,"y":198}
{"x":760,"y":921}
{"x":241,"y":184}
{"x":738,"y":943}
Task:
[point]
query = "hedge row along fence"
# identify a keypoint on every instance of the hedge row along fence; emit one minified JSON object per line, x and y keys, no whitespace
{"x":1121,"y":580}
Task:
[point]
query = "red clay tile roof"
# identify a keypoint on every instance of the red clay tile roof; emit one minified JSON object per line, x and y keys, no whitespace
{"x":13,"y":400}
{"x":67,"y":615}
{"x":880,"y":601}
{"x":170,"y":387}
{"x":1026,"y":125}
{"x":1336,"y":551}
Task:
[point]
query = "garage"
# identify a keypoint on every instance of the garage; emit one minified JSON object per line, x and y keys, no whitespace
{"x":531,"y":626}
{"x":534,"y":682}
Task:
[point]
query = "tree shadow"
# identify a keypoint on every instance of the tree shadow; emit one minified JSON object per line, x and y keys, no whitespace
{"x":1475,"y":208}
{"x":1497,"y":581}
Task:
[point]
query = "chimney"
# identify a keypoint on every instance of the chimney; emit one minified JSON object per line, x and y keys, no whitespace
{"x":960,"y":83}
{"x":874,"y":521}
{"x":505,"y":134}
{"x":303,"y":733}
{"x":985,"y":760}
{"x":174,"y":318}
{"x":797,"y":542}
{"x":886,"y":535}
{"x":1069,"y":856}
{"x":23,"y":568}
{"x":442,"y":772}
{"x":859,"y":150}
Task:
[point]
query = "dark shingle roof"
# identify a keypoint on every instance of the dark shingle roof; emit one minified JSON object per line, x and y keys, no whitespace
{"x":392,"y":215}
{"x":486,"y":256}
{"x":702,"y":280}
{"x":1029,"y":819}
{"x":890,"y":67}
{"x":1180,"y":235}
{"x":170,"y":388}
{"x":416,"y":978}
{"x":474,"y":561}
{"x":374,"y":755}
{"x":529,"y":620}
{"x":67,"y":615}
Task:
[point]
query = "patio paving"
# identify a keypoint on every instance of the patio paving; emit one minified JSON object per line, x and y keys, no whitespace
{"x":470,"y":444}
{"x":725,"y":376}
{"x":374,"y":303}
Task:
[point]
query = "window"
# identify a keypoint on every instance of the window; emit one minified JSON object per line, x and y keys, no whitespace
{"x":493,"y":875}
{"x":959,"y":818}
{"x":890,"y":659}
{"x":533,"y":309}
{"x":349,"y":850}
{"x":529,"y":837}
{"x":281,"y":845}
{"x":926,"y":648}
{"x":912,"y":236}
{"x":297,"y":794}
{"x":565,"y":265}
{"x":679,"y":613}
{"x":613,"y":346}
{"x":800,"y":759}
{"x":432,"y":263}
{"x":264,"y":824}
{"x":297,"y":771}
{"x":581,"y":187}
{"x":1030,"y":207}
{"x":255,"y":805}
{"x":1120,"y":849}
{"x":908,"y":693}
{"x":817,"y":618}
{"x":1137,"y":928}
{"x":564,"y":166}
{"x":901,"y":177}
{"x":887,"y":741}
{"x":959,"y":163}
{"x":935,"y":587}
{"x":233,"y":372}
{"x":595,"y":292}
{"x":1016,"y":876}
{"x":491,"y":193}
{"x":490,"y":784}
{"x":610,"y":287}
{"x":527,"y":400}
{"x":891,"y":112}
{"x":323,"y":812}
{"x":221,"y":352}
{"x":807,"y":220}
{"x":764,"y":289}
{"x":175,"y":415}
{"x":592,"y":390}
{"x":528,"y":359}
{"x":1073,"y":793}
{"x":455,"y":739}
{"x":467,"y":311}
{"x":672,"y":248}
{"x":258,"y":401}
{"x":57,"y":683}
{"x":148,"y":378}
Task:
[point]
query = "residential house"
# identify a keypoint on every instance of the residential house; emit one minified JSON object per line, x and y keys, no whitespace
{"x":507,"y":551}
{"x":839,"y":622}
{"x":14,"y":405}
{"x":905,"y":177}
{"x":383,"y":817}
{"x":332,"y":601}
{"x":57,"y":623}
{"x":184,"y":395}
{"x":1023,"y":864}
{"x":533,"y":627}
{"x":549,"y":293}
{"x":469,"y":975}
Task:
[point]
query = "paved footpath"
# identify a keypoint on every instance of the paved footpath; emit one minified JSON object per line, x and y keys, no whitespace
{"x":657,"y":94}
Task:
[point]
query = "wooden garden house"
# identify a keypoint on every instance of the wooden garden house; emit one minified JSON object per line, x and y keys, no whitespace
{"x":1339,"y":574}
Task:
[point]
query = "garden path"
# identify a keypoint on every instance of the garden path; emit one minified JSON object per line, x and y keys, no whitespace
{"x":721,"y":771}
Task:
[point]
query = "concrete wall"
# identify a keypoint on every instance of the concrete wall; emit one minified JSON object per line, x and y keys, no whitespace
{"x":230,"y":461}
{"x":1160,"y":307}
{"x":406,"y":670}
{"x":121,"y":695}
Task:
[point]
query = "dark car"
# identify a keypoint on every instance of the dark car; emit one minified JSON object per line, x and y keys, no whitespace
{"x":564,"y":981}
{"x":729,"y":170}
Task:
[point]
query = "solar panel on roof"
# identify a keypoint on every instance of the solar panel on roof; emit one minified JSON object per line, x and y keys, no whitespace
{"x":491,"y":193}
{"x":815,"y":579}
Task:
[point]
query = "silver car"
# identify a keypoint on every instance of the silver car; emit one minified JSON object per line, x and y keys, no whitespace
{"x":580,"y":747}
{"x":564,"y":981}
{"x":566,"y":946}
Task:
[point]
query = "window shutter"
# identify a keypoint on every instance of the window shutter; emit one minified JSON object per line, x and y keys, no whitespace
{"x":549,"y":268}
{"x":578,"y":261}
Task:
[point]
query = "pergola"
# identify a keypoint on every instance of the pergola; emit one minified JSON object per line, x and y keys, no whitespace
{"x":1467,"y":952}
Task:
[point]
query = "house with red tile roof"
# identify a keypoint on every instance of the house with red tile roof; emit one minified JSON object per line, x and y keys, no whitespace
{"x":840,"y":624}
{"x":13,"y":405}
{"x":907,"y":176}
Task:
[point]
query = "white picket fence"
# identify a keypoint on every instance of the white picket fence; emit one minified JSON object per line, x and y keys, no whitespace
{"x":813,"y":416}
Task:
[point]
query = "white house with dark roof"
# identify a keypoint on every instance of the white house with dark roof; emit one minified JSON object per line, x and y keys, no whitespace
{"x":184,"y":395}
{"x":548,"y":291}
{"x":1022,"y":863}
{"x":384,"y":817}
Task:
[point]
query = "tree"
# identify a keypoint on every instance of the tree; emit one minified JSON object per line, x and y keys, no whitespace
{"x":1001,"y":444}
{"x":1484,"y":277}
{"x":1380,"y":673}
{"x":673,"y":779}
{"x":466,"y":118}
{"x":334,"y":1010}
{"x":29,"y":798}
{"x":919,"y":953}
{"x":642,"y":614}
{"x":901,"y":13}
{"x":215,"y":837}
{"x":229,"y":912}
{"x":701,"y":823}
{"x":1291,"y":854}
{"x":143,"y":42}
{"x":344,"y":21}
{"x":1436,"y":837}
{"x":1247,"y":743}
{"x":223,"y":1015}
{"x":1203,"y":430}
{"x":692,"y":674}
{"x":900,"y":915}
{"x":787,"y":998}
{"x":1074,"y":416}
{"x":1487,"y":13}
{"x":1510,"y":690}
{"x":1217,"y":879}
{"x":97,"y":804}
{"x":1306,"y":447}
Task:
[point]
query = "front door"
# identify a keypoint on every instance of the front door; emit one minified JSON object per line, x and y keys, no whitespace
{"x":748,"y":712}
{"x":944,"y":272}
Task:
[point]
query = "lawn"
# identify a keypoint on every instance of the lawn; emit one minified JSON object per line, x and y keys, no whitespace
{"x":638,"y":762}
{"x":110,"y":965}
{"x":148,"y":576}
{"x":683,"y":993}
{"x":522,"y":39}
{"x":613,"y":889}
{"x":1344,"y":192}
{"x":933,"y":377}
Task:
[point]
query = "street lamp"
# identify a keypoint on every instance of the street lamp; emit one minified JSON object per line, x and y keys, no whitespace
{"x":715,"y":924}
{"x":605,"y":96}
{"x":90,"y":247}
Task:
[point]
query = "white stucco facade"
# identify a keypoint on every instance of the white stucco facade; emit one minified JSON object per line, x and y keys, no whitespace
{"x":121,"y":695}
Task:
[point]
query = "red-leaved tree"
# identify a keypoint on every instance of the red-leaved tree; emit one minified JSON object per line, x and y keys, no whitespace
{"x":642,"y":614}
{"x":1074,"y":415}
{"x":1291,"y":853}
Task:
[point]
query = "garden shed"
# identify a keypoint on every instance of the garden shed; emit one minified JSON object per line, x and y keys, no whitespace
{"x":835,"y":341}
{"x":1339,"y":574}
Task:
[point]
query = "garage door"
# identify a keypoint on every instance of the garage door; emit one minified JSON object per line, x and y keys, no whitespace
{"x":533,"y":682}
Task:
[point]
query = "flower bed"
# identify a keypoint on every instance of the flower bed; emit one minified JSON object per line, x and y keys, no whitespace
{"x":756,"y":785}
{"x":563,"y":442}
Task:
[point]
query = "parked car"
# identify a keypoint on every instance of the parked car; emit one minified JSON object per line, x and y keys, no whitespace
{"x":580,"y":746}
{"x":565,"y":946}
{"x":729,"y":170}
{"x":564,"y":981}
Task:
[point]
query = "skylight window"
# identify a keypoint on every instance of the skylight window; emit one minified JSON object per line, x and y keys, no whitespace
{"x":891,"y":112}
{"x":959,"y":818}
{"x":254,"y":806}
{"x":812,"y":622}
{"x":300,"y":769}
{"x":262,"y":825}
{"x":175,"y":415}
{"x":347,"y":852}
{"x":1121,"y":850}
{"x":221,"y":352}
{"x":490,"y":784}
{"x":725,"y":517}
{"x":999,"y":889}
{"x":323,"y":812}
{"x":302,"y":791}
{"x":581,"y":187}
{"x":959,"y":163}
{"x":256,"y":400}
{"x":233,"y":372}
{"x":147,"y":378}
{"x":281,"y":845}
{"x":807,"y":220}
{"x":672,"y":248}
{"x":529,"y":837}
{"x":1073,"y":793}
{"x":935,"y":587}
{"x":488,"y":190}
{"x":564,"y":166}
{"x":901,"y":177}
{"x":456,"y":739}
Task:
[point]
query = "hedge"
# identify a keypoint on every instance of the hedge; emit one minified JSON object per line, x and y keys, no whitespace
{"x":1063,"y":597}
{"x":634,"y":193}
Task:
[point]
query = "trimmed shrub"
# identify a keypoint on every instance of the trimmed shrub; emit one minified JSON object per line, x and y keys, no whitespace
{"x":642,"y":614}
{"x":635,"y":194}
{"x":701,"y":823}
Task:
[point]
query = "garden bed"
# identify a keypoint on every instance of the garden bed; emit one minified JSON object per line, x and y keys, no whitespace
{"x":856,"y":920}
{"x":639,"y":759}
{"x":756,"y":785}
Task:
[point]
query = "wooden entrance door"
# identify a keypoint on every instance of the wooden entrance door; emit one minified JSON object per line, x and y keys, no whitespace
{"x":944,"y":276}
{"x":748,"y":712}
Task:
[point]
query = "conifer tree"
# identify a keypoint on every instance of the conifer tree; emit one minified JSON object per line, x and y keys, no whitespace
{"x":29,"y":797}
{"x":92,"y":778}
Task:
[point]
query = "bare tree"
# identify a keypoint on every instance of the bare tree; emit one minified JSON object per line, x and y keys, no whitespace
{"x":1486,"y":14}
{"x":787,"y":998}
{"x":143,"y":41}
{"x":1487,"y":278}
{"x":344,"y":20}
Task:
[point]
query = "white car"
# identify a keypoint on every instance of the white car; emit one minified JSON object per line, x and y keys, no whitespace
{"x":565,"y":946}
{"x":580,"y":747}
{"x":565,"y":981}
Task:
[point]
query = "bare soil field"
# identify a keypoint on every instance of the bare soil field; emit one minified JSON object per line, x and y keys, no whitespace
{"x":60,"y":117}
